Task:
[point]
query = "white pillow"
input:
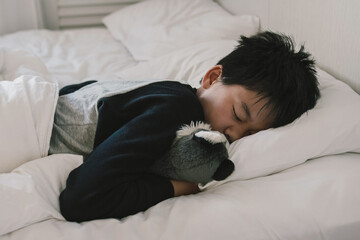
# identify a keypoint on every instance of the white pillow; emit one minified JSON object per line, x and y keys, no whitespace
{"x":30,"y":193}
{"x":27,"y":107}
{"x":155,"y":27}
{"x":332,"y":127}
{"x":188,"y":64}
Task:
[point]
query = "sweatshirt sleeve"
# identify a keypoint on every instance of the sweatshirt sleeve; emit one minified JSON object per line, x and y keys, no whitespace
{"x":113,"y":182}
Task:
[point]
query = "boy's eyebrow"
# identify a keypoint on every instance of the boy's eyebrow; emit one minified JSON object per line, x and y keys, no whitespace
{"x":246,"y":109}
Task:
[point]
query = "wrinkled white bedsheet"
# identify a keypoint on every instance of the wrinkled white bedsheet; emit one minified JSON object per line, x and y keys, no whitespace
{"x":316,"y":200}
{"x":73,"y":56}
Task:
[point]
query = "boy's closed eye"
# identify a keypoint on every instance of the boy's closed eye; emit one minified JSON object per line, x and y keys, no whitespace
{"x":239,"y":119}
{"x":236,"y":116}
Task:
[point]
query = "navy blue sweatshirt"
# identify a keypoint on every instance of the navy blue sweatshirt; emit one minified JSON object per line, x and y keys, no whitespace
{"x":134,"y":130}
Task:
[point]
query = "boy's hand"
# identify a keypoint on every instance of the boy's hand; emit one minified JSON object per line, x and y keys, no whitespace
{"x":184,"y":188}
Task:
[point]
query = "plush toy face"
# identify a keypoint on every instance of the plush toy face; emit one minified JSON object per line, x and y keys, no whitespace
{"x":197,"y":155}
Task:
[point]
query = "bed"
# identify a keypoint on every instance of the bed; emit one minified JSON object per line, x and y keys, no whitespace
{"x":299,"y":181}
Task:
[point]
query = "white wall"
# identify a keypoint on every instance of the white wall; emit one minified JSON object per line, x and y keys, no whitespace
{"x":18,"y":15}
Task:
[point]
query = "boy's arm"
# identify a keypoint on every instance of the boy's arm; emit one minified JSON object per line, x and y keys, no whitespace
{"x":113,"y":182}
{"x":184,"y":188}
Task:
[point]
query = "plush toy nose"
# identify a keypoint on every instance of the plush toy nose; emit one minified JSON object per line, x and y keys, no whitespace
{"x":224,"y":170}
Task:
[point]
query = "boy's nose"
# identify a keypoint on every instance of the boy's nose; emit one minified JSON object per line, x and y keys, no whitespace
{"x":234,"y":133}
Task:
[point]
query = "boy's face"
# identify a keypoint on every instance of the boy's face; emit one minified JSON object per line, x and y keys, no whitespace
{"x":232,"y":109}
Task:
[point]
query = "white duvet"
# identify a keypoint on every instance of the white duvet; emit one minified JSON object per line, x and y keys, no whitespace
{"x":314,"y":200}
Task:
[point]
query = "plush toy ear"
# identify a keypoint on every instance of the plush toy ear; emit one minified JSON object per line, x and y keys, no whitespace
{"x":209,"y":138}
{"x":224,"y":170}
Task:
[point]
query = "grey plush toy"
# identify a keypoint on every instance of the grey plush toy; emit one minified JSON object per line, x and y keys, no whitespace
{"x":197,"y":155}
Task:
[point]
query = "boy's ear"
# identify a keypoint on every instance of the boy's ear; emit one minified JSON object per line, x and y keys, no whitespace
{"x":211,"y":76}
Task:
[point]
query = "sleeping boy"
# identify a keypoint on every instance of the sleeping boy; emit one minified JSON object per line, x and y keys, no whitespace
{"x":123,"y":127}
